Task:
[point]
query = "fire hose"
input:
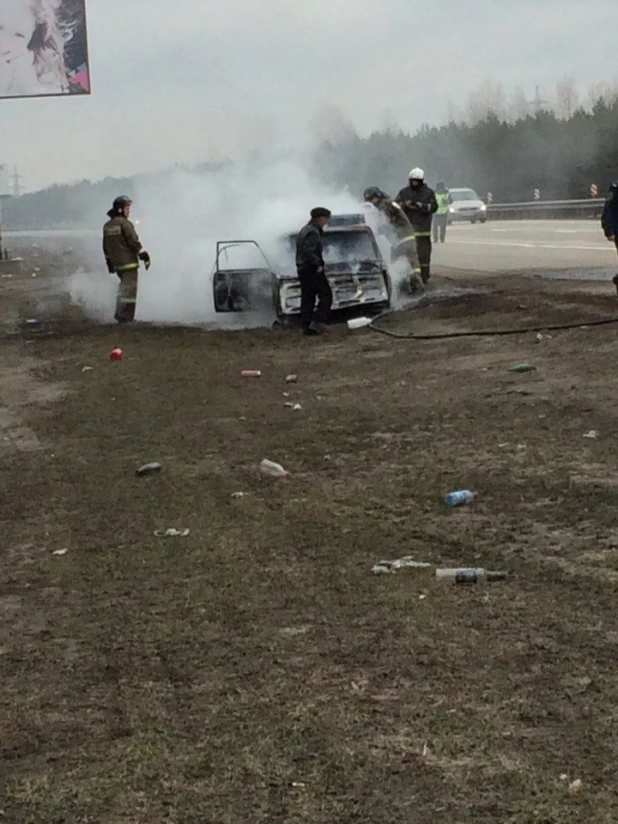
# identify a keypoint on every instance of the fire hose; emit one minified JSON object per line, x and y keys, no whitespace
{"x":485,"y":333}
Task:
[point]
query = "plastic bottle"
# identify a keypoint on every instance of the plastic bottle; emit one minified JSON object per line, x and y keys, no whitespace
{"x":149,"y":469}
{"x":251,"y":373}
{"x":469,"y":575}
{"x":459,"y":497}
{"x":358,"y":323}
{"x":273,"y":469}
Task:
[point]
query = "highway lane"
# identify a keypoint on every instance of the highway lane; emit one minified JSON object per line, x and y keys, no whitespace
{"x":528,"y":245}
{"x":551,"y":246}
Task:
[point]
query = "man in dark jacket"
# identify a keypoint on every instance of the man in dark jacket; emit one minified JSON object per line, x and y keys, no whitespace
{"x":609,"y":219}
{"x":419,"y":203}
{"x":123,"y":251}
{"x":310,"y":267}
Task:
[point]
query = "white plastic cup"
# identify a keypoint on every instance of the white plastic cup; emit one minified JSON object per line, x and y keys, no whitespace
{"x":359,"y":323}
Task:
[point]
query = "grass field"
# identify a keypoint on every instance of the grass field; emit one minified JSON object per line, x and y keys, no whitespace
{"x":256,"y":670}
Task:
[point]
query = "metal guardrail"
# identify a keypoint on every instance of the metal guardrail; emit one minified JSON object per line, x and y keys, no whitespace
{"x":590,"y":207}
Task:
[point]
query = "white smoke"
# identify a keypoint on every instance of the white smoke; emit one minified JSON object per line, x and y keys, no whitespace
{"x":399,"y":269}
{"x":181,"y":217}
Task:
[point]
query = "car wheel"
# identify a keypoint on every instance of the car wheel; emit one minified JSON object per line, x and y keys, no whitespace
{"x":473,"y":221}
{"x":483,"y":220}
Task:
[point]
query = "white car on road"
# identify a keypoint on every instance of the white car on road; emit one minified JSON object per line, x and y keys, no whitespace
{"x":465,"y":204}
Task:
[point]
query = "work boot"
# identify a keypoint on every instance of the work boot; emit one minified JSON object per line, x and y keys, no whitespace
{"x":309,"y":330}
{"x":615,"y":282}
{"x":318,"y":327}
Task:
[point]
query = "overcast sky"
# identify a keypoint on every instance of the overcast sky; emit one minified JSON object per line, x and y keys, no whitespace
{"x":176,"y":80}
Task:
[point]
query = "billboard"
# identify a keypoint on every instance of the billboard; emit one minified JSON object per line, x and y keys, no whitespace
{"x":43,"y":48}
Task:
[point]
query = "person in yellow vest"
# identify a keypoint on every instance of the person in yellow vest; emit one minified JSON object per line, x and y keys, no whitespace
{"x":440,"y":219}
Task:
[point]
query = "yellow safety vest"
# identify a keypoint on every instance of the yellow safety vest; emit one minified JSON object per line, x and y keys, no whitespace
{"x":442,"y":203}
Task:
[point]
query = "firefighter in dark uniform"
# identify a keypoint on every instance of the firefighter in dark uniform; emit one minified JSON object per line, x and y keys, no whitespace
{"x":609,"y":219}
{"x":313,"y":281}
{"x":123,"y":251}
{"x":440,"y":219}
{"x":403,"y":239}
{"x":419,"y":203}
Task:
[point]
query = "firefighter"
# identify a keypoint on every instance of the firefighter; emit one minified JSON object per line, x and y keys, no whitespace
{"x":313,"y":281}
{"x":123,"y":251}
{"x":419,"y":203}
{"x":403,"y":243}
{"x":440,"y":219}
{"x":609,"y":219}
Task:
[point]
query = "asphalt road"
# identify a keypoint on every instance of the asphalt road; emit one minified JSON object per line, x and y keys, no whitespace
{"x":546,"y":246}
{"x":528,"y":245}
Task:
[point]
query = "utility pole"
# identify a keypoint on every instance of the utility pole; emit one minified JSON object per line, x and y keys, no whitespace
{"x":538,"y":103}
{"x":16,"y":184}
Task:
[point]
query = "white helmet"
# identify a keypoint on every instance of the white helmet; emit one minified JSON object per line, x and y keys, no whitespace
{"x":417,"y":174}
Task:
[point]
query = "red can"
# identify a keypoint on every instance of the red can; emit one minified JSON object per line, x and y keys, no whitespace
{"x":115,"y":354}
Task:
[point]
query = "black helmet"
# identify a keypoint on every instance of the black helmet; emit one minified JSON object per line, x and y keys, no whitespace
{"x":372,"y":192}
{"x":120,"y":202}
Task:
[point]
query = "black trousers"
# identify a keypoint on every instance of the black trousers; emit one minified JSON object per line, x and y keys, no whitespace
{"x":314,"y":285}
{"x":423,"y":250}
{"x":439,"y":227}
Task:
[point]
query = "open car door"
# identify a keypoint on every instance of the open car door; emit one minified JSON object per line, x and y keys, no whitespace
{"x":238,"y":287}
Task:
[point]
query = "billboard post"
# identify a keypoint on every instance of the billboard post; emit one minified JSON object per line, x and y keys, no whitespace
{"x":4,"y":195}
{"x":44,"y":47}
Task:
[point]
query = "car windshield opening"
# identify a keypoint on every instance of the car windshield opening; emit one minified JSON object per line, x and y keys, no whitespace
{"x":342,"y":247}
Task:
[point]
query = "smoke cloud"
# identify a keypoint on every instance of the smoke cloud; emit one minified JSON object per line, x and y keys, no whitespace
{"x":180,"y":218}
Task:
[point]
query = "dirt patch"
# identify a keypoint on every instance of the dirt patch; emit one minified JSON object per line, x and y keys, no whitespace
{"x":256,"y":670}
{"x":22,"y":390}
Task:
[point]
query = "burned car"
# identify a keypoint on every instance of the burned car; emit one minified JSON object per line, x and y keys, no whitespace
{"x":354,"y":267}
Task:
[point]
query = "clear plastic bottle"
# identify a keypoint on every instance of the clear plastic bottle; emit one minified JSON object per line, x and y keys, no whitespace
{"x":149,"y":469}
{"x":459,"y":497}
{"x":273,"y":469}
{"x":469,"y":575}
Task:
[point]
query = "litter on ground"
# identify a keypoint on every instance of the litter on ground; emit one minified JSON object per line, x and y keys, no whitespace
{"x":386,"y":567}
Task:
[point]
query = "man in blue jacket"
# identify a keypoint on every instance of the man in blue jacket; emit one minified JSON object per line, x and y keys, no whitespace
{"x":609,"y":219}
